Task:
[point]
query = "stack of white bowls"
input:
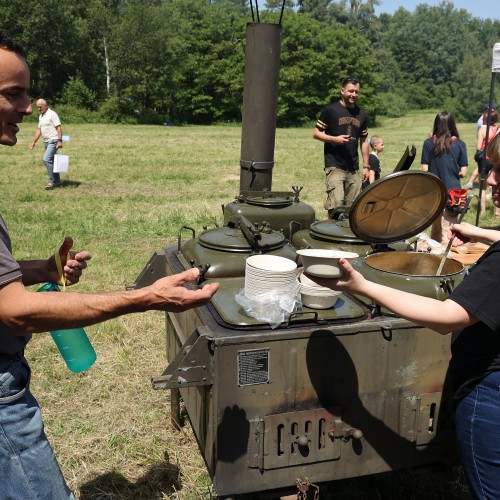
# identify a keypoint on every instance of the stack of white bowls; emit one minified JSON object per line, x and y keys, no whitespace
{"x":269,"y":273}
{"x":316,"y":296}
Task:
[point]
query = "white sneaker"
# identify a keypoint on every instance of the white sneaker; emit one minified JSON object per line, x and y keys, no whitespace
{"x":469,"y":185}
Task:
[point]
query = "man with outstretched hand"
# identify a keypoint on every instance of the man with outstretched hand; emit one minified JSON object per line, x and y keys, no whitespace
{"x":28,"y":467}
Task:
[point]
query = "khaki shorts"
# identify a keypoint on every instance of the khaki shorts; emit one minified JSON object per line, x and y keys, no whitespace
{"x":342,"y":187}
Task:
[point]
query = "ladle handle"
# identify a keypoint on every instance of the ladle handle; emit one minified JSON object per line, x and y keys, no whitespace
{"x":459,"y":220}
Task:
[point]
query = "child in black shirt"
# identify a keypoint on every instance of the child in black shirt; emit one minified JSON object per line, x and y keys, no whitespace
{"x":377,"y":145}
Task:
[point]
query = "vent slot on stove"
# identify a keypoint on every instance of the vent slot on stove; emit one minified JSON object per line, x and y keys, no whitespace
{"x":298,"y":437}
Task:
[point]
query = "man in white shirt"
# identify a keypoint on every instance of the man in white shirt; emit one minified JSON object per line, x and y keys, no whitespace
{"x":49,"y":128}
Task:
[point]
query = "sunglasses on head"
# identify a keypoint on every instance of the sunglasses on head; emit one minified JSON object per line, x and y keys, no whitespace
{"x":350,"y":79}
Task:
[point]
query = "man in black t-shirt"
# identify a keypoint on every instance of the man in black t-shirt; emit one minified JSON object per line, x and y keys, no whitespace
{"x":342,"y":126}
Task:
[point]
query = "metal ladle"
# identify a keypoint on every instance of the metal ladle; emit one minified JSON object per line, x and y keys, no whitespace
{"x":459,"y":220}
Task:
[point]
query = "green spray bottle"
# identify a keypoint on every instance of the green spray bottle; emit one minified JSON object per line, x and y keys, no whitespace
{"x":73,"y":343}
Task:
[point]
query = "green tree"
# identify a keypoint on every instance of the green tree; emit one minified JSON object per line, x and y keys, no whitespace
{"x":277,"y":5}
{"x":318,"y":9}
{"x":314,"y":63}
{"x":429,"y":46}
{"x":356,"y":14}
{"x":469,"y":96}
{"x":180,"y":58}
{"x":147,"y":54}
{"x":77,"y":94}
{"x":58,"y":39}
{"x":212,"y":81}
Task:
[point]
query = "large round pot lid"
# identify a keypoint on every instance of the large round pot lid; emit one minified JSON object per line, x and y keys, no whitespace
{"x":333,"y":230}
{"x":270,"y":201}
{"x":233,"y":240}
{"x":397,"y":206}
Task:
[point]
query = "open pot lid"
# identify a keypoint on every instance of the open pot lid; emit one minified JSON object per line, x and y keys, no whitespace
{"x":397,"y":206}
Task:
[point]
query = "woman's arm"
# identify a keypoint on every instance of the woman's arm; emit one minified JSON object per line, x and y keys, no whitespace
{"x":464,"y":233}
{"x":442,"y":317}
{"x":480,"y":138}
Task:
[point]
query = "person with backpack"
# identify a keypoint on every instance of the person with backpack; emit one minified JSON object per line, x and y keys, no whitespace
{"x":445,"y":155}
{"x":480,"y":147}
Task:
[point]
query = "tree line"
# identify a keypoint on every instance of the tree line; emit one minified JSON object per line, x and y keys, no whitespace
{"x":182,"y":61}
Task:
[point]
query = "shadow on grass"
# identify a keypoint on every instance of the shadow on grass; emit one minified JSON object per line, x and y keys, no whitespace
{"x":162,"y":478}
{"x":70,"y":184}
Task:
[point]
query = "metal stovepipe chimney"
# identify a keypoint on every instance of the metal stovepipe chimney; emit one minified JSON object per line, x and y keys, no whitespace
{"x":260,"y":104}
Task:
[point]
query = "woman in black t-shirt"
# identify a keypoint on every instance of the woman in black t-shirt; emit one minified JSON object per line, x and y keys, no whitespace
{"x":472,"y":313}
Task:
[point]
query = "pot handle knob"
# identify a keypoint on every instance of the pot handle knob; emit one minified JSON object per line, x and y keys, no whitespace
{"x":303,"y":442}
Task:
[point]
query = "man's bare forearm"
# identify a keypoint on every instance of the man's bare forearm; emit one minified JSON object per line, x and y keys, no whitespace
{"x":31,"y":312}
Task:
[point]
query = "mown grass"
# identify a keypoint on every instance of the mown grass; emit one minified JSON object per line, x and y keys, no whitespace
{"x":129,"y":190}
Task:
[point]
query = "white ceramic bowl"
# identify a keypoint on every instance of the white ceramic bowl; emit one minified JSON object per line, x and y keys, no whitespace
{"x":272,"y":263}
{"x":305,"y":280}
{"x":324,"y":262}
{"x":319,"y":301}
{"x":318,"y":290}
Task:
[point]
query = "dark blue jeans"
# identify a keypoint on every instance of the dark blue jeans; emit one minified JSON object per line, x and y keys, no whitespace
{"x":478,"y":437}
{"x":28,"y":467}
{"x":48,"y":159}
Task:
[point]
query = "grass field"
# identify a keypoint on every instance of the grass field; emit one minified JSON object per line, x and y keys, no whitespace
{"x":129,"y":190}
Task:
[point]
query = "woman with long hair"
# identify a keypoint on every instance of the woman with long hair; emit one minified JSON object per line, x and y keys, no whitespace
{"x":445,"y":156}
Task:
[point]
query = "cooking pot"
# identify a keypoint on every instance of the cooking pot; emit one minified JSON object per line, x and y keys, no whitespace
{"x":337,"y":234}
{"x":225,"y":249}
{"x":275,"y":207}
{"x":399,"y":206}
{"x":413,"y":272}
